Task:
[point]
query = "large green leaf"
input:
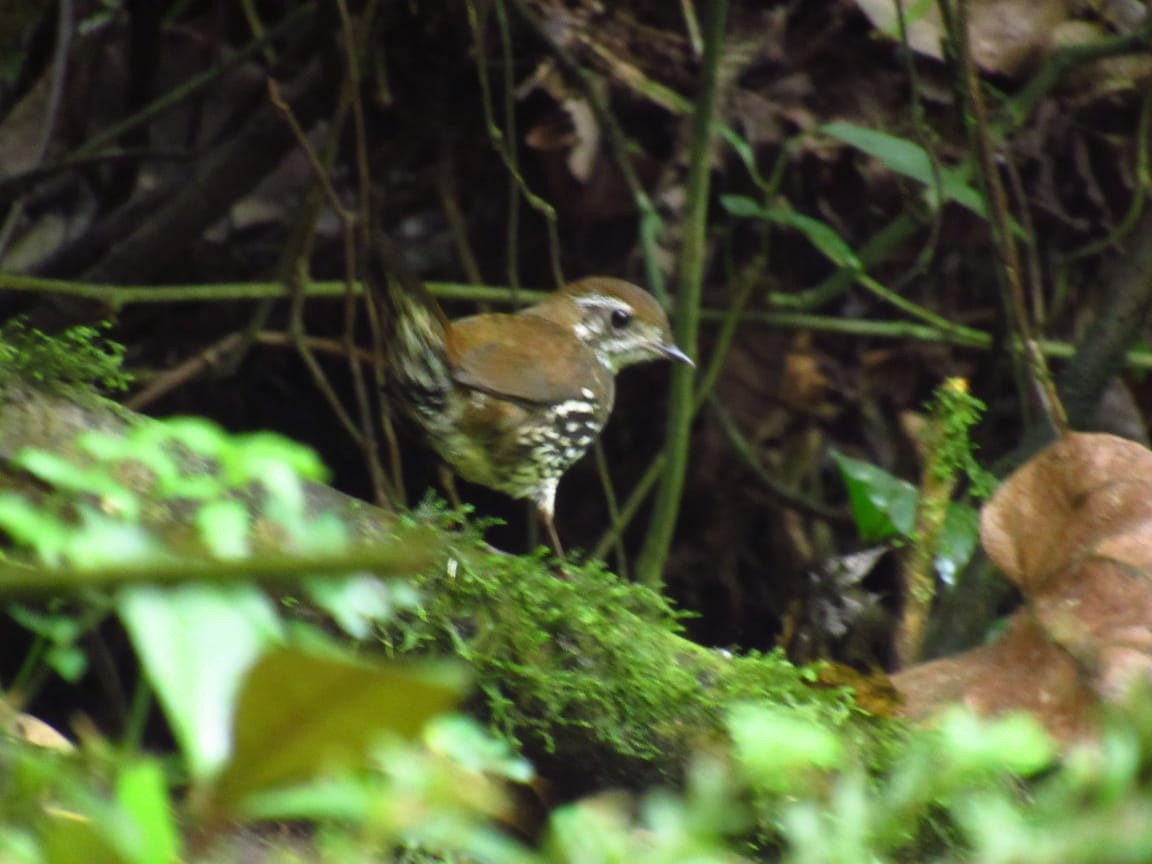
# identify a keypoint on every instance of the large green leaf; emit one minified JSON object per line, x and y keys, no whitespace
{"x":883,"y":506}
{"x":300,"y":715}
{"x":910,"y":160}
{"x":196,"y":642}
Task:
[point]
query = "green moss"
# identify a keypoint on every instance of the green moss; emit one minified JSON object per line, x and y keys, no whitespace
{"x":956,"y":411}
{"x":78,"y":356}
{"x":592,"y":670}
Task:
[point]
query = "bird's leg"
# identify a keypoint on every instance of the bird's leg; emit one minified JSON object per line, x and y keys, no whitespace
{"x":448,"y":483}
{"x":545,"y":500}
{"x":550,"y":527}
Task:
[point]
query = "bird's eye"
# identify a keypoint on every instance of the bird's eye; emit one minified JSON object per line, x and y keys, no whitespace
{"x":621,"y":318}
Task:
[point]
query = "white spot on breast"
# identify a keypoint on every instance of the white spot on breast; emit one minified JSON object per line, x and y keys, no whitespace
{"x":572,"y":406}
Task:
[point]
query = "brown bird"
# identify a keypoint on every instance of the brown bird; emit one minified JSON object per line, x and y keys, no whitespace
{"x":511,"y":401}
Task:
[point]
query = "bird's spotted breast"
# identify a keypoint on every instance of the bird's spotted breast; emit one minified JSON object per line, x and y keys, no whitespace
{"x":561,"y":435}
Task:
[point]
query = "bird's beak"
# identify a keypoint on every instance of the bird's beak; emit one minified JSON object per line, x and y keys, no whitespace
{"x":674,"y":353}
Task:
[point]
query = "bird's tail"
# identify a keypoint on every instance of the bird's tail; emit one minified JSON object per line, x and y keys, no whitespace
{"x":417,"y":340}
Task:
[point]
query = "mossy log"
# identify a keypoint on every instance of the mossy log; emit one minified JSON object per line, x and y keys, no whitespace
{"x":590,"y":673}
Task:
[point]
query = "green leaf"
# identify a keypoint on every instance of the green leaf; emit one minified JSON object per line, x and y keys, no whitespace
{"x":909,"y":160}
{"x":356,"y":602}
{"x":27,"y":524}
{"x":464,"y":741}
{"x":774,"y":746}
{"x":743,"y":149}
{"x":198,"y":434}
{"x":65,"y":474}
{"x":142,"y":793}
{"x":67,"y":661}
{"x":957,"y":541}
{"x":300,"y":715}
{"x":100,"y":540}
{"x":1015,"y":743}
{"x":820,"y":234}
{"x":224,"y":527}
{"x":60,"y":630}
{"x":256,"y":452}
{"x":144,"y":446}
{"x":68,"y":839}
{"x":743,"y":206}
{"x":883,"y":506}
{"x":195,"y":643}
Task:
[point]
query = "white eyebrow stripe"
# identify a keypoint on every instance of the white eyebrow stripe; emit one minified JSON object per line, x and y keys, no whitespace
{"x":599,"y":301}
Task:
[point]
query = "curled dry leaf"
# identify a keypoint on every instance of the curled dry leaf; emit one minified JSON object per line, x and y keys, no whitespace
{"x":1073,"y":529}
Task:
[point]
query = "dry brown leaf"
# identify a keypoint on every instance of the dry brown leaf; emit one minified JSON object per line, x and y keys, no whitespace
{"x":1073,"y":529}
{"x":1004,"y":35}
{"x":31,"y":730}
{"x":1021,"y":671}
{"x":804,"y":386}
{"x":1065,"y":501}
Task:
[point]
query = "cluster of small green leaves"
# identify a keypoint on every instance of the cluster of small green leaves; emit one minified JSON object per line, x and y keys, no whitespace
{"x":80,"y":356}
{"x":785,"y":791}
{"x":966,"y":790}
{"x":94,"y":513}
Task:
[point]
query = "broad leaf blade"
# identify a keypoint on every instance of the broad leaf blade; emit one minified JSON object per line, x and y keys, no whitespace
{"x":883,"y":505}
{"x":299,"y":715}
{"x":196,"y":642}
{"x":909,"y":160}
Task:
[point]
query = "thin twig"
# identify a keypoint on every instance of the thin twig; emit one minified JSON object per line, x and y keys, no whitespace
{"x":399,"y":557}
{"x":511,"y":143}
{"x":191,"y":368}
{"x":319,"y":344}
{"x":1140,"y":194}
{"x":357,"y":238}
{"x":789,"y":498}
{"x":295,"y":276}
{"x":650,"y":221}
{"x":449,"y":202}
{"x":1063,"y":60}
{"x":617,"y":526}
{"x":498,"y":138}
{"x":999,"y":222}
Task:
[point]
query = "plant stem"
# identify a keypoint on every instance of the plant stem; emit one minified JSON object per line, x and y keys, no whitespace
{"x":682,"y":396}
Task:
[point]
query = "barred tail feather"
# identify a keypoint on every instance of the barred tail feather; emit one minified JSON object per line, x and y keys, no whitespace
{"x":417,"y":348}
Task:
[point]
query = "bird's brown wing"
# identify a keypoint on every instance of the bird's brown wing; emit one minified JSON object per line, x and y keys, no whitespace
{"x":527,"y":359}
